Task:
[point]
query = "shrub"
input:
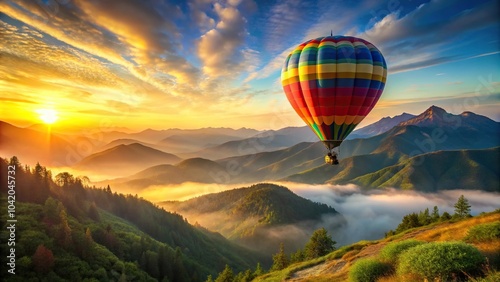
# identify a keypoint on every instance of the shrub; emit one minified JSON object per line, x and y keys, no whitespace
{"x":441,"y":260}
{"x":368,"y":270}
{"x":492,"y":277}
{"x":483,"y":232}
{"x":391,"y":251}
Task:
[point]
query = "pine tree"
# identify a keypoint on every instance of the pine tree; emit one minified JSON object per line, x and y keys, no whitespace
{"x":280,"y":260}
{"x":320,"y":244}
{"x":52,"y":211}
{"x":435,"y":214}
{"x":93,"y":213}
{"x":445,"y":216}
{"x":247,"y":276}
{"x":298,"y":256}
{"x":424,"y":217}
{"x":64,"y":233}
{"x":226,"y":275}
{"x":258,"y":270}
{"x":462,"y":208}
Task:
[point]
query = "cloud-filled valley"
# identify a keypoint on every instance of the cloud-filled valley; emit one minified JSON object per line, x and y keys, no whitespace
{"x":370,"y":214}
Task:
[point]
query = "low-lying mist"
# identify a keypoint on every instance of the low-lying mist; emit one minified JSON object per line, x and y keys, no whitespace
{"x":369,"y":214}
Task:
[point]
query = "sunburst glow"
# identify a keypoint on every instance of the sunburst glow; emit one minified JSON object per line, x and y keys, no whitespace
{"x":48,"y":116}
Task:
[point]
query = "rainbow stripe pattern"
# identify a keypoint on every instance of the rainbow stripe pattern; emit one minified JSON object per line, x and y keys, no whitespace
{"x":333,"y":83}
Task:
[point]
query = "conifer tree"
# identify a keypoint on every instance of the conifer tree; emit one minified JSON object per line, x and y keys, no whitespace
{"x":435,"y":214}
{"x":64,"y":234}
{"x":320,"y":244}
{"x":445,"y":216}
{"x":226,"y":275}
{"x":280,"y":260}
{"x":424,"y":217}
{"x":258,"y":270}
{"x":462,"y":207}
{"x":298,"y":256}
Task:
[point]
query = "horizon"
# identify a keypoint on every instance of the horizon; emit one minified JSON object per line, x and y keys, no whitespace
{"x":199,"y":64}
{"x":131,"y":131}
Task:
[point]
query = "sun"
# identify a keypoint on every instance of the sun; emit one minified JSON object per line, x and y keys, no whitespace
{"x":48,"y":116}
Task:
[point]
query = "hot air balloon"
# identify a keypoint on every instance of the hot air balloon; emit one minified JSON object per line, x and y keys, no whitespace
{"x":332,"y":83}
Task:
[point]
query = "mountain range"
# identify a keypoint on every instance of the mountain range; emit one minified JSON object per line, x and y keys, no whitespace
{"x":125,"y":159}
{"x":145,"y":159}
{"x":380,"y":126}
{"x":465,"y":142}
{"x":36,"y":146}
{"x":67,"y":148}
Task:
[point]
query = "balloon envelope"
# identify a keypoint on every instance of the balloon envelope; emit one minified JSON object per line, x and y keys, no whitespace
{"x":333,"y":83}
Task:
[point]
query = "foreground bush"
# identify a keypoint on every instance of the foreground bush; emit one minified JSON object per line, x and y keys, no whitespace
{"x":483,"y":232}
{"x":368,"y":270}
{"x":441,"y":260}
{"x":391,"y":251}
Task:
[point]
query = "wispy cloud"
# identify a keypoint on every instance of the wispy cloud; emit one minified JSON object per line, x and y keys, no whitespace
{"x":414,"y":33}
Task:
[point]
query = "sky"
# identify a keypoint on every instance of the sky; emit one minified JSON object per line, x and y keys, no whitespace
{"x":216,"y":63}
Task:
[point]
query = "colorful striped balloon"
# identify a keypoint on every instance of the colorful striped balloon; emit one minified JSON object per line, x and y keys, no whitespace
{"x":333,"y":83}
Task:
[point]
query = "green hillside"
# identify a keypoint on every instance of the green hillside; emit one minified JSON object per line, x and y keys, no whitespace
{"x":248,"y":215}
{"x":443,"y":170}
{"x":380,"y":260}
{"x":88,"y":233}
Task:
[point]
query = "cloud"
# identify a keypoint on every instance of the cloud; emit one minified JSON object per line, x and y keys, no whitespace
{"x":397,"y":36}
{"x":407,"y":65}
{"x":273,"y":66}
{"x":135,"y":22}
{"x":370,"y":214}
{"x":284,"y":20}
{"x":119,"y":53}
{"x":219,"y":48}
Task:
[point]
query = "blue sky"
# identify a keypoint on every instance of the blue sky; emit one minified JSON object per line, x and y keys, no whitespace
{"x":200,"y":63}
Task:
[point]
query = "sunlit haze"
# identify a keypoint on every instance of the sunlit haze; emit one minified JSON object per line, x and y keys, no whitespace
{"x":48,"y":116}
{"x":142,"y":64}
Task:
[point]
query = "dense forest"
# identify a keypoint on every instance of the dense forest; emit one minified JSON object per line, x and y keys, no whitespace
{"x":67,"y":230}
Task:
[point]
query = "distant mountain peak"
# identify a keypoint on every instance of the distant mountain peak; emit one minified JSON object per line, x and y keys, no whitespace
{"x":381,"y":126}
{"x":435,"y":111}
{"x":468,"y":114}
{"x":438,"y":117}
{"x":433,"y":116}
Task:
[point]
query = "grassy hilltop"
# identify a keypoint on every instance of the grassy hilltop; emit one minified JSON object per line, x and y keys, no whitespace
{"x":369,"y":257}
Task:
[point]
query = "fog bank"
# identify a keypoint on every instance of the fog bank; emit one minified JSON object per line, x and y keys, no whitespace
{"x":370,"y":214}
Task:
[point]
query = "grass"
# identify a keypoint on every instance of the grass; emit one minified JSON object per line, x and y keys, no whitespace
{"x":354,"y":248}
{"x":485,"y":232}
{"x":290,"y":270}
{"x":336,"y":265}
{"x":457,"y":230}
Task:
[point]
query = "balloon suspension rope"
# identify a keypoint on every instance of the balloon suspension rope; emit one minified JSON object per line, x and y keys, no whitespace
{"x":334,"y":152}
